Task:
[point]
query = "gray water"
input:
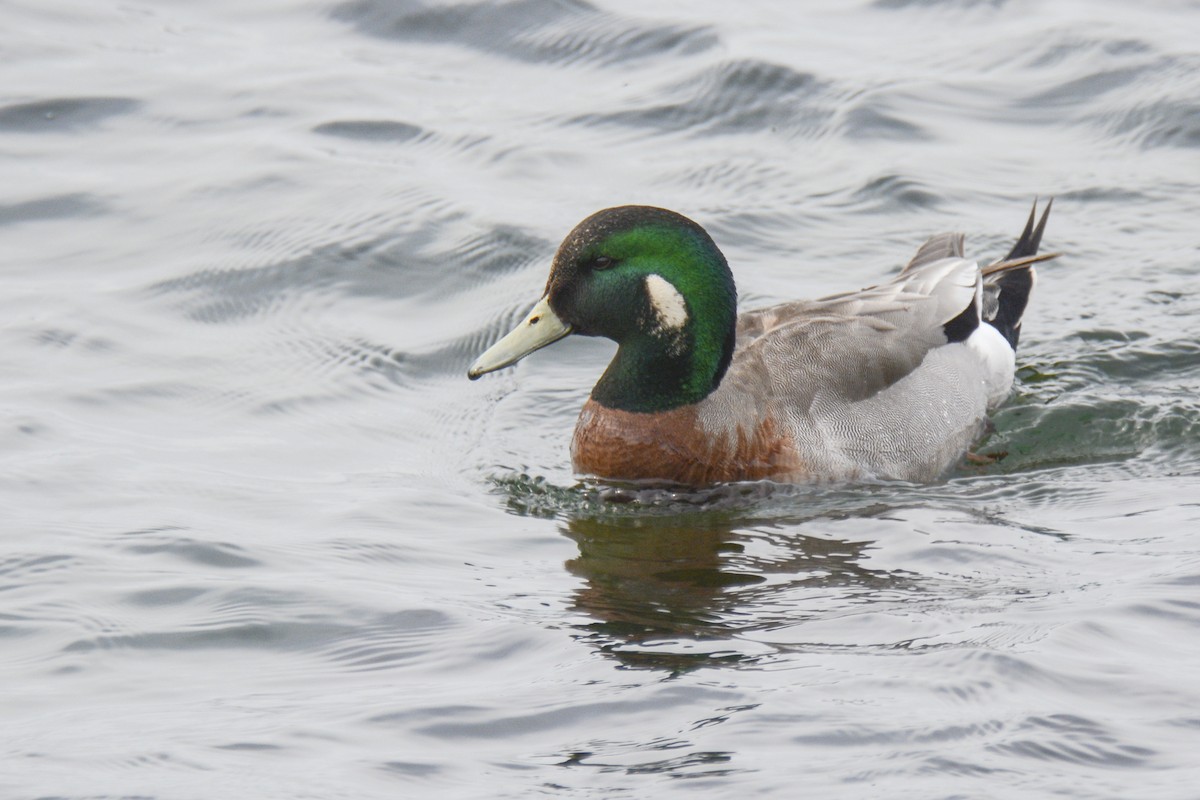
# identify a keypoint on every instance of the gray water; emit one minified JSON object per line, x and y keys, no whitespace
{"x":262,"y":539}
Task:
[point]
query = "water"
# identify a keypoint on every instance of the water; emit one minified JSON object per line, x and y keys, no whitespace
{"x":263,"y":539}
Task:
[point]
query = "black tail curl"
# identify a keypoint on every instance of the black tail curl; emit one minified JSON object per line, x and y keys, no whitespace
{"x":1006,"y":291}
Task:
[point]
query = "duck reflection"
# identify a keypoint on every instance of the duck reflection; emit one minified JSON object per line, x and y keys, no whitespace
{"x":674,"y":591}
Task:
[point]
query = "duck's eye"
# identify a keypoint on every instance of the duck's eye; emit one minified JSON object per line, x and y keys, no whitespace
{"x":602,"y":262}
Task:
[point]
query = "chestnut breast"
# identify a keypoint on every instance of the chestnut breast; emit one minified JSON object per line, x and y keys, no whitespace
{"x":676,"y":446}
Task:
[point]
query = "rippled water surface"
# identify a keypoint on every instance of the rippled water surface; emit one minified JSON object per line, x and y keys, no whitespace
{"x":263,"y":539}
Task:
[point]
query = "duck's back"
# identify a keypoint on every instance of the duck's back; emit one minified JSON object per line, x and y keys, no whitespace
{"x":883,"y":383}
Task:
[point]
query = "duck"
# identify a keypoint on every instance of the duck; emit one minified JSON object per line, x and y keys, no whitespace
{"x":894,"y":382}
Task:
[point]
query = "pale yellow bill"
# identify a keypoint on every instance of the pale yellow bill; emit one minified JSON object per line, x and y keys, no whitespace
{"x":539,"y":328}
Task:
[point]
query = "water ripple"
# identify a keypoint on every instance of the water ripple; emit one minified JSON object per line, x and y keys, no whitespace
{"x":536,"y":31}
{"x":373,"y":130}
{"x":730,"y":97}
{"x":407,"y":264}
{"x":65,"y":206}
{"x":1073,"y":739}
{"x":62,"y":114}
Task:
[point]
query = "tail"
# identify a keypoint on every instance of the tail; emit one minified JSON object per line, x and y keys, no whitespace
{"x":1008,"y":283}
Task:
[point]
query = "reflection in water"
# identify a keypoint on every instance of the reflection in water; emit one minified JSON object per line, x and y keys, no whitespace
{"x":673,"y":591}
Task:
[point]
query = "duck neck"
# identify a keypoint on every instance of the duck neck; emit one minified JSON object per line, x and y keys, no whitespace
{"x":659,"y":371}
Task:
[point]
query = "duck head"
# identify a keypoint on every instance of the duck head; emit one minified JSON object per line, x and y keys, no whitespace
{"x":654,"y":282}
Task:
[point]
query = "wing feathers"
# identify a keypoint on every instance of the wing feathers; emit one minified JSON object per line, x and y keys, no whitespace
{"x":943,"y":245}
{"x":855,"y":344}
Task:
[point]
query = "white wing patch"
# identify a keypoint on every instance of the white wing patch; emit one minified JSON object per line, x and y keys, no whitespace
{"x":668,"y":304}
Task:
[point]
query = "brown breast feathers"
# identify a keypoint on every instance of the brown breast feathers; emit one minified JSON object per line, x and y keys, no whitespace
{"x":673,"y":446}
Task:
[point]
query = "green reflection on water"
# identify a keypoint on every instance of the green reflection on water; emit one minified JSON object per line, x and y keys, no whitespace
{"x":671,"y":578}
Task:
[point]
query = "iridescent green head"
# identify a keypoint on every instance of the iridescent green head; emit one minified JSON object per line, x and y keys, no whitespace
{"x":654,"y":282}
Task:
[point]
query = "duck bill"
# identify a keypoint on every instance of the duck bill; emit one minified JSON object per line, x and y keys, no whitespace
{"x":539,"y":328}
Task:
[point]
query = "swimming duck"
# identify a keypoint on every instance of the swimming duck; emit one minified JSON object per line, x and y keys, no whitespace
{"x":890,"y":382}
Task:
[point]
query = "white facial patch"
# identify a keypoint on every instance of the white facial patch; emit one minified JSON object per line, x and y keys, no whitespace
{"x":669,"y":307}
